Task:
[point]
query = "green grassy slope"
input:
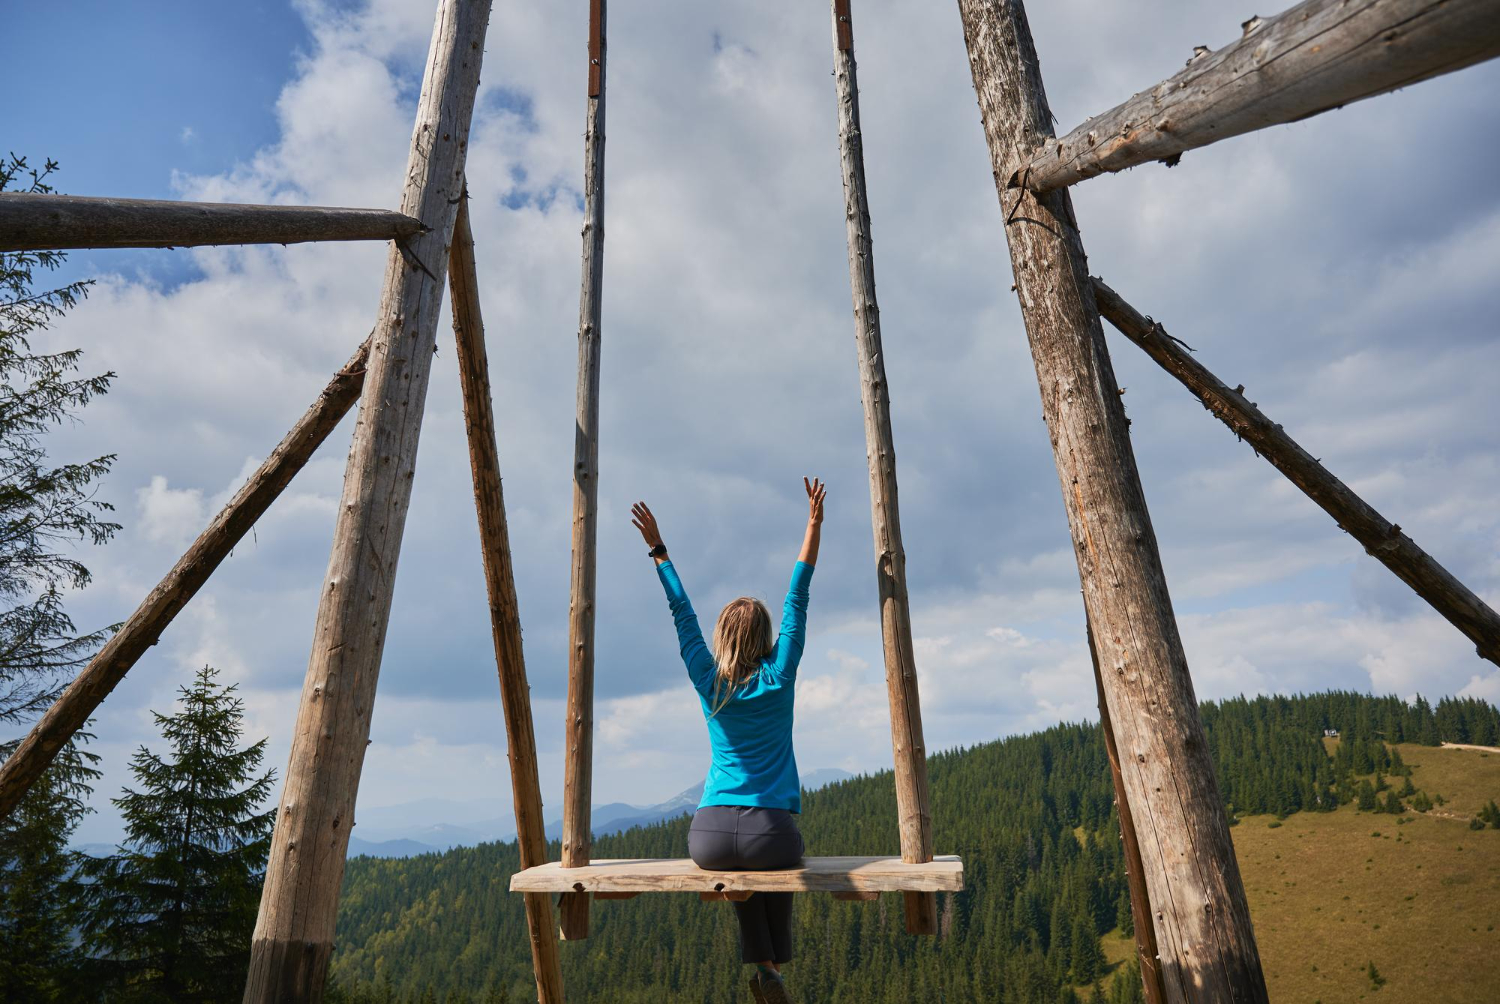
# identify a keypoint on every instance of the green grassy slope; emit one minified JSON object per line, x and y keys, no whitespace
{"x":1421,"y":900}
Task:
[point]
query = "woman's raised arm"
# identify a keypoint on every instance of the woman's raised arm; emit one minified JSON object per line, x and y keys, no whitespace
{"x":810,"y":540}
{"x":695,"y":653}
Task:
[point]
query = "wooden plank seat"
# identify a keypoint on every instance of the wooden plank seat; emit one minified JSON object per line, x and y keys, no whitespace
{"x":845,"y":877}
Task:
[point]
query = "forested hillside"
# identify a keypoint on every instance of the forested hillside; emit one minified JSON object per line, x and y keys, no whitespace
{"x":1032,"y":816}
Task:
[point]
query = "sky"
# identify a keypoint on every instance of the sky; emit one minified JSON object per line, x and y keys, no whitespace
{"x":1342,"y":268}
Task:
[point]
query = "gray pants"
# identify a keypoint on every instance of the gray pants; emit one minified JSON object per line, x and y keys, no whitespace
{"x":750,"y":838}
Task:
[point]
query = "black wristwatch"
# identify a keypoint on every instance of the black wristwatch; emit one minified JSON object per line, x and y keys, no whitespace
{"x":659,"y":551}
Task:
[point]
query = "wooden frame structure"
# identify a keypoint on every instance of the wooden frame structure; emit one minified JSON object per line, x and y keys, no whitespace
{"x":1194,"y":936}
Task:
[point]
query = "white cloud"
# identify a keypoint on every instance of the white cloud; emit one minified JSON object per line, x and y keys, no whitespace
{"x":169,"y":515}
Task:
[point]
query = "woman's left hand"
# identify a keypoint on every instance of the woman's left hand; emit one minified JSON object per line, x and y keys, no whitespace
{"x":643,"y":521}
{"x":816,"y":490}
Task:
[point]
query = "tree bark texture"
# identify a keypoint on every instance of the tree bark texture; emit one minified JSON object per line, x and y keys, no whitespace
{"x":1382,"y":539}
{"x":109,"y":666}
{"x":577,"y":838}
{"x":299,"y":904}
{"x":1203,"y":930}
{"x":913,"y":802}
{"x":500,"y":583}
{"x":57,"y":222}
{"x":1317,"y":56}
{"x":1135,"y":877}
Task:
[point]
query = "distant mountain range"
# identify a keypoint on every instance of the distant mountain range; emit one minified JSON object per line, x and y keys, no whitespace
{"x":400,"y":831}
{"x":430,"y":825}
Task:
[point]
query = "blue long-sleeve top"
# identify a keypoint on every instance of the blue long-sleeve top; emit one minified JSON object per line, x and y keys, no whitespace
{"x":751,"y":736}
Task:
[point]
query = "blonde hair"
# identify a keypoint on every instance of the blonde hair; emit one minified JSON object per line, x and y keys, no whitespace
{"x":742,"y":641}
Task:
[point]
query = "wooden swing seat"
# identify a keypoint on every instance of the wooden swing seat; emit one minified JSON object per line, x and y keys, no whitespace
{"x":845,"y":877}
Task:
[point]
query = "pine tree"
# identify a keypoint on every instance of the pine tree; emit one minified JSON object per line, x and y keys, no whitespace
{"x":38,"y":961}
{"x":1088,"y":957}
{"x":1491,"y":814}
{"x":170,"y":917}
{"x":44,"y":510}
{"x":1124,"y":915}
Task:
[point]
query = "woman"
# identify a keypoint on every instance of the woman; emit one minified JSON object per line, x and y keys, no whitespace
{"x":746,"y":687}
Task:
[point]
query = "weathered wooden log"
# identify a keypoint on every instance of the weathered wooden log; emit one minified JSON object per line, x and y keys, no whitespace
{"x":55,"y":222}
{"x":1317,"y":56}
{"x":109,"y":666}
{"x":1203,"y":931}
{"x":578,"y":766}
{"x":944,"y":873}
{"x":299,"y":903}
{"x":1135,"y":877}
{"x":500,"y":585}
{"x":913,"y":800}
{"x":1381,"y":538}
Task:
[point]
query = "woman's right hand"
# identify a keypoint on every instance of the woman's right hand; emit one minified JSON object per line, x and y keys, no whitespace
{"x":643,"y":521}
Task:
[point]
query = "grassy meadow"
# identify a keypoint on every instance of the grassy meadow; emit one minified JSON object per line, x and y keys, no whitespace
{"x":1418,"y":895}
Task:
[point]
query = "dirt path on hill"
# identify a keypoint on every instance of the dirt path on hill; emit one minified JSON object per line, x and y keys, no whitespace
{"x":1467,"y":746}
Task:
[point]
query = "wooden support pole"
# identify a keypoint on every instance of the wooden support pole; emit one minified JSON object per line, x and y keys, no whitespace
{"x":912,"y":797}
{"x":1202,"y":923}
{"x":293,"y":937}
{"x":109,"y":666}
{"x":1135,"y":877}
{"x":500,"y":583}
{"x":577,"y":835}
{"x":1317,"y":56}
{"x":57,"y":222}
{"x":1381,"y":539}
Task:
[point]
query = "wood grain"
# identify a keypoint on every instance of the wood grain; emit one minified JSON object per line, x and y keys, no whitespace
{"x":913,"y":798}
{"x":1135,"y":875}
{"x":1202,"y":923}
{"x":944,"y":873}
{"x":1315,"y":57}
{"x":500,"y":588}
{"x":56,"y":222}
{"x":299,"y":903}
{"x":578,"y":761}
{"x":144,"y":628}
{"x":1382,"y":539}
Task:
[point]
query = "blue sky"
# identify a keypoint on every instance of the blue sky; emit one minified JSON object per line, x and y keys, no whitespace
{"x":1339,"y":271}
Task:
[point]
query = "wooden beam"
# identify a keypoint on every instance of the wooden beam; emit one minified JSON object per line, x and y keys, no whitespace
{"x":1135,"y":876}
{"x":57,"y":222}
{"x":1382,"y":539}
{"x":109,"y":666}
{"x":944,"y":873}
{"x":293,"y":937}
{"x":913,"y":799}
{"x":1203,"y":930}
{"x":1317,"y":56}
{"x":578,"y":769}
{"x":500,"y":585}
